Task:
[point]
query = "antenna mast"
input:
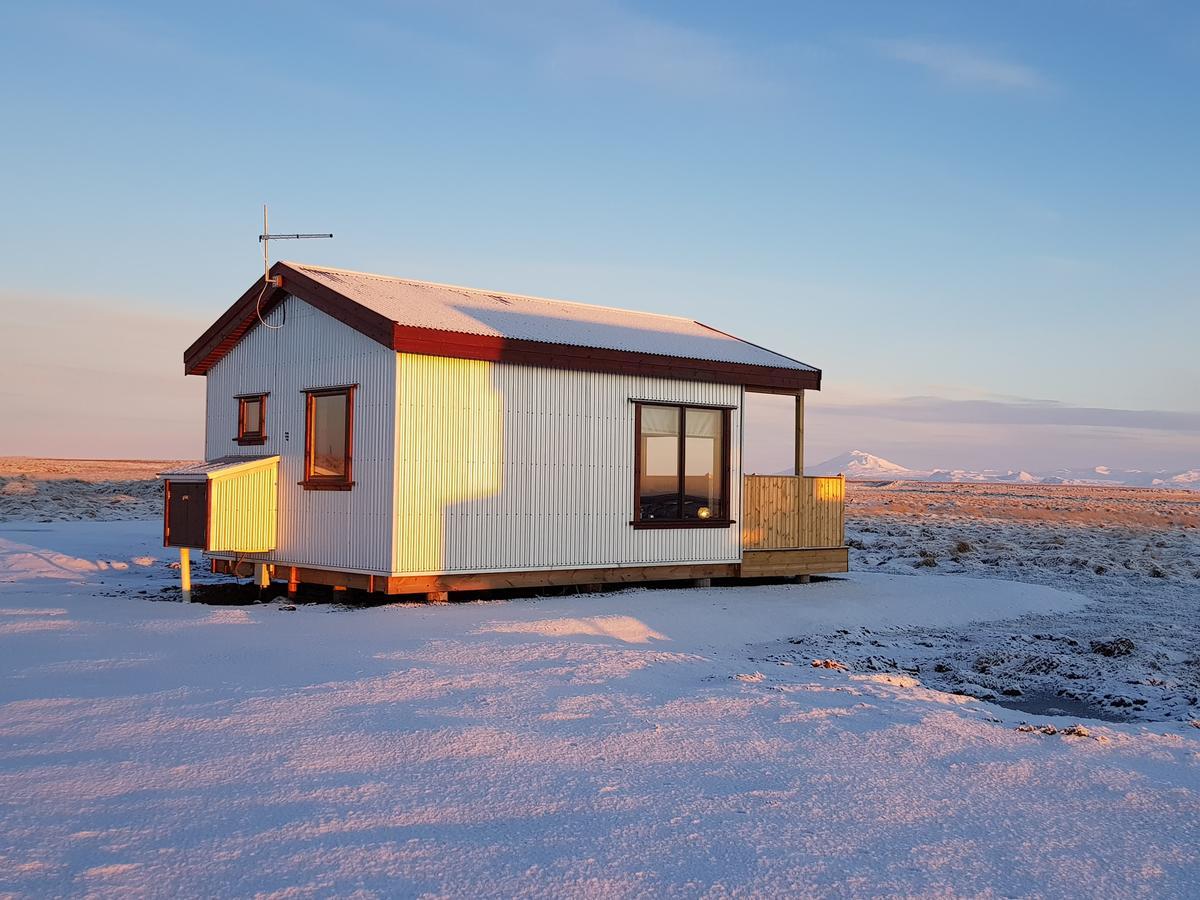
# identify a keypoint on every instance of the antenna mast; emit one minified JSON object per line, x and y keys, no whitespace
{"x":266,"y":237}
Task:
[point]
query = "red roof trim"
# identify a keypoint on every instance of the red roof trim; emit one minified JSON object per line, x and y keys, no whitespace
{"x":225,"y":333}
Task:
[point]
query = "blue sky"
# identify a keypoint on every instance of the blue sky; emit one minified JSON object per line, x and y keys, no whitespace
{"x":981,"y":220}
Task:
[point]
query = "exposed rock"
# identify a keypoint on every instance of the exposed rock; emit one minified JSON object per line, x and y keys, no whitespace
{"x":1117,"y":647}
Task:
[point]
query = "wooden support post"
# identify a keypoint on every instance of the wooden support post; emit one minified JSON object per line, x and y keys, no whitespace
{"x":293,"y":584}
{"x":262,"y":577}
{"x":438,"y":596}
{"x":185,"y":573}
{"x":800,"y":433}
{"x":702,"y":582}
{"x":803,"y":579}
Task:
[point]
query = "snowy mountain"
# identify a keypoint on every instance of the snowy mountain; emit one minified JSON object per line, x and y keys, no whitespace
{"x":860,"y":464}
{"x":864,"y":466}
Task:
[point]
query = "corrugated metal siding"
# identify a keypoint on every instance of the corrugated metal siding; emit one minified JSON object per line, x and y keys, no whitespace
{"x":349,"y":530}
{"x":242,"y":510}
{"x":513,"y":467}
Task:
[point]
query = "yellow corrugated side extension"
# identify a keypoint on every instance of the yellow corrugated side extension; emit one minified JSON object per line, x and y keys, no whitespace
{"x":242,"y":509}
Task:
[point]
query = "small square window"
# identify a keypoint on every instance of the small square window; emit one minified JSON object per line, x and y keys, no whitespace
{"x":252,"y":419}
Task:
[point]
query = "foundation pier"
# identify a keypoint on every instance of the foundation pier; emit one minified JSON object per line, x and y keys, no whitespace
{"x":185,"y":573}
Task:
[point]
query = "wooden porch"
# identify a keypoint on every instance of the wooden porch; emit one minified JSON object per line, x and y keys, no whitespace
{"x":793,"y":525}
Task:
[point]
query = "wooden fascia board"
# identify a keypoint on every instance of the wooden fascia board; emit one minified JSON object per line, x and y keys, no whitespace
{"x":374,"y":325}
{"x":237,"y":321}
{"x":457,"y":345}
{"x":229,"y":328}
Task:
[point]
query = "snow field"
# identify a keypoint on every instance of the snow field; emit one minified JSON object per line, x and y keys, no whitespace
{"x":640,"y":743}
{"x":58,"y":490}
{"x":1134,"y":554}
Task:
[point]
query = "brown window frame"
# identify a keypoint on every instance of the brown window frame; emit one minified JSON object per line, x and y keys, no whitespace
{"x":726,"y":519}
{"x":252,"y":438}
{"x":342,"y":482}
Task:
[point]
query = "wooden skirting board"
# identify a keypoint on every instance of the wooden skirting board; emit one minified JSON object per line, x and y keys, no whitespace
{"x":757,"y":564}
{"x":768,"y":563}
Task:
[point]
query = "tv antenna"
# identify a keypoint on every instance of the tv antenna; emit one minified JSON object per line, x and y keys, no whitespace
{"x":265,"y":239}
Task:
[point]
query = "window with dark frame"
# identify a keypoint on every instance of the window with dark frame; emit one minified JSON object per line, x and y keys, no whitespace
{"x":681,"y":466}
{"x":329,"y":439}
{"x":252,"y":419}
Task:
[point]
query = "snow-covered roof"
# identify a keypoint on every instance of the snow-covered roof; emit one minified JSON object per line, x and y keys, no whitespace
{"x":467,"y":323}
{"x":444,"y":307}
{"x":216,"y":468}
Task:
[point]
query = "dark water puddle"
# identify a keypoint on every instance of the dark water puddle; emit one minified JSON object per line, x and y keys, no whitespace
{"x":1048,"y":704}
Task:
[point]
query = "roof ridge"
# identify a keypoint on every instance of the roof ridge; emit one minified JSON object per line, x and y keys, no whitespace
{"x":475,"y":290}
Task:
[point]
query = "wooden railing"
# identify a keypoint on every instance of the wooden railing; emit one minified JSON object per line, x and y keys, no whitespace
{"x":782,"y":512}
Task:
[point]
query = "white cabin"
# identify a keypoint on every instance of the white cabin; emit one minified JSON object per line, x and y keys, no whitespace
{"x":430,"y":438}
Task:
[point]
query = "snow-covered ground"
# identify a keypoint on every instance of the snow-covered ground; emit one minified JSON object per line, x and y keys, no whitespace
{"x":634,"y":743}
{"x":56,"y":490}
{"x":1132,"y":654}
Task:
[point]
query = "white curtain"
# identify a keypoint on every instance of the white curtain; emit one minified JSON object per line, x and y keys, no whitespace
{"x":703,"y":423}
{"x":660,"y":421}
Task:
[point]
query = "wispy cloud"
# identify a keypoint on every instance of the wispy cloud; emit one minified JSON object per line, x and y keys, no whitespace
{"x":1019,"y":412}
{"x":606,"y":41}
{"x":618,"y":43}
{"x":964,"y":66}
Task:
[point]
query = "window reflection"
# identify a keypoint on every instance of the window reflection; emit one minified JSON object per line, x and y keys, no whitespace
{"x":681,"y":450}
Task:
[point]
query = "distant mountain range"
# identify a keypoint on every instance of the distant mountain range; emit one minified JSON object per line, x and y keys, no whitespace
{"x":858,"y":464}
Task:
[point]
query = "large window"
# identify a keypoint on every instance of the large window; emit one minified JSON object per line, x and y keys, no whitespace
{"x":252,"y":417}
{"x":328,"y":444}
{"x":682,"y":466}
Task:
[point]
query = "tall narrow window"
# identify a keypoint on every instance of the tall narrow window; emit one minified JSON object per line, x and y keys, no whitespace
{"x":703,"y":472}
{"x":682,"y":466}
{"x":328,"y":439}
{"x":659,"y":444}
{"x":252,"y":418}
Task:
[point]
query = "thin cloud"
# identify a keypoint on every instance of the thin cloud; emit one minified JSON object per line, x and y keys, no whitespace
{"x":963,"y":66}
{"x":653,"y":53}
{"x":603,"y":41}
{"x":1019,"y":412}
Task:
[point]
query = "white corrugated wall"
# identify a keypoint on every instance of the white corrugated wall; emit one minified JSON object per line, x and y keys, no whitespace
{"x":350,"y":530}
{"x":509,"y":467}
